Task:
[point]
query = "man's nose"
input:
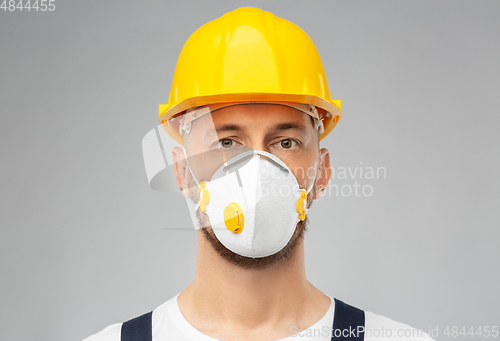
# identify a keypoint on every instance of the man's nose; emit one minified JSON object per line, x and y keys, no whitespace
{"x":259,"y":144}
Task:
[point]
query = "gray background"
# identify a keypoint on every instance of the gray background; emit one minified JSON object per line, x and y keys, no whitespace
{"x":83,"y":243}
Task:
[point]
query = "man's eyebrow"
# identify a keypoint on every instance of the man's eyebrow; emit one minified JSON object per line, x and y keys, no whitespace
{"x":276,"y":127}
{"x":229,"y":127}
{"x":288,"y":126}
{"x":211,"y":133}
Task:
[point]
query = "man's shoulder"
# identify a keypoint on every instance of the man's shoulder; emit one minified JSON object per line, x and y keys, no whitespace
{"x":378,"y":327}
{"x":110,"y":333}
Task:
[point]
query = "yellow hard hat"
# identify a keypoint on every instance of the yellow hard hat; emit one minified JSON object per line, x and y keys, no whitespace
{"x":249,"y":55}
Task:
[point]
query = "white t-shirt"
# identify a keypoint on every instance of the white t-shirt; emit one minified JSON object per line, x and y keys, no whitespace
{"x":168,"y":323}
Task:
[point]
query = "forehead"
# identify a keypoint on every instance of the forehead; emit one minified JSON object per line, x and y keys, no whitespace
{"x":251,"y":121}
{"x":254,"y":116}
{"x":258,"y":113}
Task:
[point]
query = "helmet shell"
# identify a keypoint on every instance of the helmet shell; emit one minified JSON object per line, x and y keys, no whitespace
{"x":249,"y":55}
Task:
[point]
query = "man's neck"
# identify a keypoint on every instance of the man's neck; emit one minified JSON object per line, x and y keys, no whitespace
{"x":250,"y":301}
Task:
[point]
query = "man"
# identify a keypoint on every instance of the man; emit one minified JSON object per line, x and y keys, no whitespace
{"x":249,"y":104}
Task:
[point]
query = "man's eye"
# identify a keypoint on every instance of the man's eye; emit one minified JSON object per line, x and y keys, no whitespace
{"x":226,"y":143}
{"x":287,"y":143}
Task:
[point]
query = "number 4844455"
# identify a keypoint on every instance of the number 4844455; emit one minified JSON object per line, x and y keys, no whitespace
{"x":486,"y":331}
{"x":28,"y":5}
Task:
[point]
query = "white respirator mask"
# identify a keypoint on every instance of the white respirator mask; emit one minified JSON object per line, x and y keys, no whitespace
{"x":254,"y":203}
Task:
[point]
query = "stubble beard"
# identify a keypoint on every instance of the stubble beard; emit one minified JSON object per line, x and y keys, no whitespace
{"x":255,"y":263}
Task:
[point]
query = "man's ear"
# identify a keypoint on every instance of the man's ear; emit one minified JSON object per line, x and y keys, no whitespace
{"x":180,"y":170}
{"x":324,"y":173}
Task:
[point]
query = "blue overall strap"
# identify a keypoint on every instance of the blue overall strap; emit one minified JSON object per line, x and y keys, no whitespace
{"x":348,"y":323}
{"x":138,"y":329}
